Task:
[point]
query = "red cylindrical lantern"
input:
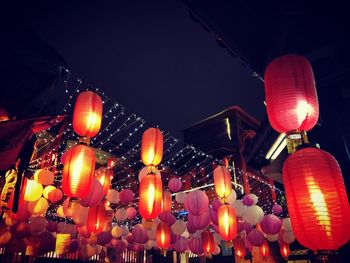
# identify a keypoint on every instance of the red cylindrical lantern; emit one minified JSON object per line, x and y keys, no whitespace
{"x":150,"y":196}
{"x":227,"y":222}
{"x":104,"y":176}
{"x":78,"y":171}
{"x":284,"y":250}
{"x":239,"y":247}
{"x":317,"y":200}
{"x":152,"y":147}
{"x":222,"y":181}
{"x":87,"y":115}
{"x":291,"y":96}
{"x":96,"y":219}
{"x":208,"y":242}
{"x":264,"y":249}
{"x":167,"y":201}
{"x":163,"y":236}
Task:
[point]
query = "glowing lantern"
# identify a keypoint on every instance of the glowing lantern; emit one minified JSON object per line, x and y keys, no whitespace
{"x":264,"y":249}
{"x":96,"y":219}
{"x":227,"y":222}
{"x":314,"y":176}
{"x":87,"y":116}
{"x":284,"y":250}
{"x":208,"y":242}
{"x":239,"y":247}
{"x":291,"y":96}
{"x":38,"y":207}
{"x":152,"y":147}
{"x":78,"y":171}
{"x":163,"y":236}
{"x":44,"y":177}
{"x":111,"y":162}
{"x":47,"y":191}
{"x":151,"y":196}
{"x":222,"y":182}
{"x":166,"y":203}
{"x":33,"y":190}
{"x":104,"y":176}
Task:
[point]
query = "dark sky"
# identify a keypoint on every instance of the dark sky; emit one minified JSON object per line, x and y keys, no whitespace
{"x":151,"y":57}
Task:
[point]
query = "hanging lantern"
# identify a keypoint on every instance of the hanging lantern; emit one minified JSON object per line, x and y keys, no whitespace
{"x":208,"y":242}
{"x":163,"y":236}
{"x":222,"y":182}
{"x":227,"y":222}
{"x":150,"y":196}
{"x":316,"y":199}
{"x":32,"y":190}
{"x":78,"y":171}
{"x":291,"y":96}
{"x":284,"y":250}
{"x":111,"y":162}
{"x":264,"y":249}
{"x":87,"y":115}
{"x":167,"y":201}
{"x":96,"y":219}
{"x":239,"y":247}
{"x":104,"y":176}
{"x":152,"y":147}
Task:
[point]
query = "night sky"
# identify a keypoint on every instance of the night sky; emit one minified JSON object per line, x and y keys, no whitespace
{"x":151,"y":57}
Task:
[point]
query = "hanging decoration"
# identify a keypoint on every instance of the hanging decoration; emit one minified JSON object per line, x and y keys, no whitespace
{"x":208,"y":242}
{"x":163,"y":236}
{"x":96,"y":219}
{"x":152,"y":147}
{"x":227,"y":222}
{"x":284,"y":250}
{"x":264,"y":250}
{"x":222,"y":182}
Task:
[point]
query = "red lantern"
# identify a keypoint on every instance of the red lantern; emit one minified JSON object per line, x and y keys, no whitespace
{"x":284,"y":249}
{"x":317,"y":200}
{"x":163,"y":236}
{"x":152,"y":147}
{"x":150,"y":196}
{"x":87,"y":115}
{"x":104,"y":176}
{"x":264,"y":249}
{"x":222,"y":181}
{"x":111,"y":162}
{"x":227,"y":222}
{"x":239,"y":247}
{"x":167,"y":201}
{"x":291,"y":96}
{"x":208,"y":242}
{"x":78,"y":171}
{"x":96,"y":219}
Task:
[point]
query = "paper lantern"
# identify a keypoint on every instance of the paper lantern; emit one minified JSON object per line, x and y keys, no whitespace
{"x":196,"y":202}
{"x":227,"y":222}
{"x":80,"y":214}
{"x":104,"y":238}
{"x":167,"y":202}
{"x":131,"y":212}
{"x":231,"y":198}
{"x":113,"y":196}
{"x":247,"y":200}
{"x":320,"y":221}
{"x":147,"y":170}
{"x":60,"y":212}
{"x":214,"y":217}
{"x":264,"y":249}
{"x":175,"y":185}
{"x":201,"y":221}
{"x":150,"y":196}
{"x":47,"y":190}
{"x":96,"y":219}
{"x":104,"y":176}
{"x":217,"y":250}
{"x":121,"y":214}
{"x":78,"y":171}
{"x":253,"y":214}
{"x":38,"y":207}
{"x":51,"y":226}
{"x":270,"y":224}
{"x":117,"y":231}
{"x":180,"y":197}
{"x":163,"y":237}
{"x":119,"y":245}
{"x":284,"y":250}
{"x":239,"y":247}
{"x":277,"y":209}
{"x":181,"y":245}
{"x":126,"y":196}
{"x":215,"y":205}
{"x":152,"y":147}
{"x":179,"y":227}
{"x":44,"y":177}
{"x":111,"y":162}
{"x":94,"y":195}
{"x":208,"y":242}
{"x":196,"y":245}
{"x":291,"y":96}
{"x":222,"y":182}
{"x":37,"y":225}
{"x":87,"y":115}
{"x":32,"y":190}
{"x":255,"y":238}
{"x":55,"y":195}
{"x":239,"y":207}
{"x":272,"y":238}
{"x":167,"y":217}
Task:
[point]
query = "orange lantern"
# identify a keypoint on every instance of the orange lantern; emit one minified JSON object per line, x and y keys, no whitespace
{"x":222,"y":182}
{"x":167,"y":201}
{"x":78,"y":171}
{"x":104,"y":176}
{"x":208,"y":242}
{"x":32,"y":190}
{"x":317,"y":200}
{"x":239,"y":247}
{"x":87,"y":115}
{"x":264,"y":249}
{"x":227,"y":222}
{"x":96,"y":219}
{"x":111,"y":162}
{"x":284,"y":250}
{"x":150,"y":196}
{"x":163,"y":236}
{"x":152,"y":147}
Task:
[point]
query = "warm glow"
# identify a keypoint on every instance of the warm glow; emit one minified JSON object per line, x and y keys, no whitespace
{"x":222,"y":181}
{"x":264,"y":249}
{"x":239,"y":254}
{"x":303,"y":110}
{"x":150,"y":196}
{"x":33,"y":190}
{"x":163,"y":235}
{"x":228,"y":128}
{"x":152,"y":147}
{"x":93,"y":121}
{"x":227,"y":222}
{"x":77,"y":165}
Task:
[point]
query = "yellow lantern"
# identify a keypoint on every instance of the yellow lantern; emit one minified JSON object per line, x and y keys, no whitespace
{"x":32,"y":190}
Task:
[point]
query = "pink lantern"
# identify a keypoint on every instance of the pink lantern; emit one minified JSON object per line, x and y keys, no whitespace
{"x":167,"y":217}
{"x":270,"y":224}
{"x":214,"y":217}
{"x":201,"y":221}
{"x":196,"y":202}
{"x":104,"y":238}
{"x":126,"y":196}
{"x":139,"y":234}
{"x":181,"y":245}
{"x":255,"y":238}
{"x":130,"y":238}
{"x":174,"y":238}
{"x":51,"y":226}
{"x":175,"y":185}
{"x":131,"y":212}
{"x":215,"y":205}
{"x":277,"y":209}
{"x":119,"y":245}
{"x":190,"y":227}
{"x":94,"y":196}
{"x":242,"y":225}
{"x":196,"y":245}
{"x":248,"y":200}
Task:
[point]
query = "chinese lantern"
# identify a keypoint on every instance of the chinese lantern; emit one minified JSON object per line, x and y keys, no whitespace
{"x":163,"y":236}
{"x":32,"y":190}
{"x":166,"y":203}
{"x":239,"y":247}
{"x":152,"y":147}
{"x":104,"y":176}
{"x":284,"y":250}
{"x":78,"y":171}
{"x":317,"y":199}
{"x":150,"y":196}
{"x":208,"y":242}
{"x":96,"y":219}
{"x":87,"y":115}
{"x":222,"y":182}
{"x":111,"y":162}
{"x":291,"y":96}
{"x":227,"y":222}
{"x":264,"y":249}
